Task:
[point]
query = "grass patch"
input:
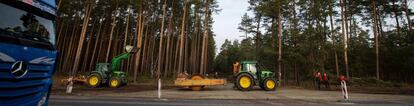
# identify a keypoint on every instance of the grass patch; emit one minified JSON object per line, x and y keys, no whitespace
{"x":373,"y":82}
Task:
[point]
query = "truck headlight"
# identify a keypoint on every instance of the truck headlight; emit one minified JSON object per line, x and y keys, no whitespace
{"x":43,"y":100}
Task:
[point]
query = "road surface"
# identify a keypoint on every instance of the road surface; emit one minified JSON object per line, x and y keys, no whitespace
{"x":116,"y":101}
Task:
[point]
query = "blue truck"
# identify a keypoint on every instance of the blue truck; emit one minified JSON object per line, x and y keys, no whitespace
{"x":27,"y":51}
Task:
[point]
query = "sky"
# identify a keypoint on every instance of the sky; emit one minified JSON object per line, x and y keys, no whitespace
{"x":227,"y":20}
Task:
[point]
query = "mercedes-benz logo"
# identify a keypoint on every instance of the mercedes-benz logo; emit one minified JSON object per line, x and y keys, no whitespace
{"x":19,"y":69}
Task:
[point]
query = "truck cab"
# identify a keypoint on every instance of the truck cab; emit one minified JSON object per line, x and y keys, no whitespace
{"x":27,"y":51}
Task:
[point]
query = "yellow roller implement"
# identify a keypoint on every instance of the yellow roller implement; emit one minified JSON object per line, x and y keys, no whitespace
{"x":196,"y":82}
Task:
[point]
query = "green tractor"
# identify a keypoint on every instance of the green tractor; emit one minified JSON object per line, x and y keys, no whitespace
{"x":251,"y":73}
{"x":110,"y":73}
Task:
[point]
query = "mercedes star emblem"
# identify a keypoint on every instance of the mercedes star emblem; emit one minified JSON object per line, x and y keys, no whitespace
{"x":19,"y":69}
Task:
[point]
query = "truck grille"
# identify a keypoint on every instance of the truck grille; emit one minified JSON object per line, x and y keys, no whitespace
{"x":27,"y":89}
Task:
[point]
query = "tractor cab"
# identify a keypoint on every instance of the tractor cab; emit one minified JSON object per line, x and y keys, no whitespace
{"x":255,"y":68}
{"x":252,"y":73}
{"x":250,"y":67}
{"x":104,"y":67}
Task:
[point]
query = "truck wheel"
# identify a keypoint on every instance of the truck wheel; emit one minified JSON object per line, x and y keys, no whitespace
{"x":94,"y":80}
{"x":244,"y":82}
{"x":114,"y":82}
{"x":269,"y":84}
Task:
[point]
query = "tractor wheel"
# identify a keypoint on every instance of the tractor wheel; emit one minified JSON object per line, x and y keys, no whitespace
{"x":196,"y":77}
{"x":114,"y":82}
{"x":269,"y":84}
{"x":94,"y":80}
{"x":244,"y":82}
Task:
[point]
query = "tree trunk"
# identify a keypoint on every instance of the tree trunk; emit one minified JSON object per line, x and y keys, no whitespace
{"x":346,"y":39}
{"x":61,"y":45}
{"x":407,"y":14}
{"x":160,"y":58}
{"x":126,"y":39}
{"x":344,"y":32}
{"x":280,"y":44}
{"x":86,"y":56}
{"x":169,"y":37}
{"x":195,"y":43}
{"x":59,"y":4}
{"x":145,"y":51}
{"x":333,"y":38}
{"x":273,"y":41}
{"x":375,"y":29}
{"x":95,"y":46}
{"x":71,"y":44}
{"x":126,"y":29}
{"x":205,"y":42}
{"x":177,"y":54}
{"x":379,"y":23}
{"x":395,"y":7}
{"x":113,"y":24}
{"x":258,"y":37}
{"x":140,"y":28}
{"x":180,"y":63}
{"x":88,"y":10}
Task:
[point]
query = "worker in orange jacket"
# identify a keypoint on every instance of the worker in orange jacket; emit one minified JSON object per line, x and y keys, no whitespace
{"x":326,"y":80}
{"x":318,"y":79}
{"x":236,"y":67}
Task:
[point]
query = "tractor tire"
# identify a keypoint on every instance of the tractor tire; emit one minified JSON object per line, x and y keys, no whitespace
{"x":244,"y":82}
{"x":269,"y":84}
{"x":114,"y":82}
{"x":94,"y":80}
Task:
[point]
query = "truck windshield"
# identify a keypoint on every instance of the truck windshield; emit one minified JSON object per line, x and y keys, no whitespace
{"x":18,"y":26}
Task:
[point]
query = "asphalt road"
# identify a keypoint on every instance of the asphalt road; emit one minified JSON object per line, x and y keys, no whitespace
{"x":117,"y":101}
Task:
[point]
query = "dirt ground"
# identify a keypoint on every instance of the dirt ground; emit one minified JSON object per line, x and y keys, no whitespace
{"x":228,"y":92}
{"x":359,"y":95}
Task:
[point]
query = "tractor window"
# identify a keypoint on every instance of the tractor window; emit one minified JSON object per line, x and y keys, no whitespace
{"x":104,"y":68}
{"x":252,"y":68}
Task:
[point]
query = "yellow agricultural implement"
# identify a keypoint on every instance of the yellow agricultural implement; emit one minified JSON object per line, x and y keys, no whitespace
{"x":196,"y":82}
{"x":80,"y":79}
